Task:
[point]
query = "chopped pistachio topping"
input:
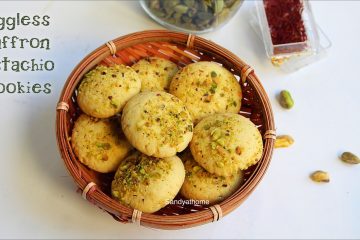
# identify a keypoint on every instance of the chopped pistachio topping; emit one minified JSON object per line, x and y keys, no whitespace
{"x":140,"y":169}
{"x":213,"y":88}
{"x":113,"y":104}
{"x":220,"y":164}
{"x":105,"y":146}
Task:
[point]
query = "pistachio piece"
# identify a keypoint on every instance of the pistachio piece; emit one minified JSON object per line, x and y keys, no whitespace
{"x":196,"y":168}
{"x":115,"y":193}
{"x":350,"y":158}
{"x":213,"y":88}
{"x":213,"y":74}
{"x":105,"y":146}
{"x":221,"y":141}
{"x":156,"y":175}
{"x":215,"y":134}
{"x":206,"y":127}
{"x":320,"y":176}
{"x":220,"y":164}
{"x":286,"y":101}
{"x":124,"y":167}
{"x":283,"y":141}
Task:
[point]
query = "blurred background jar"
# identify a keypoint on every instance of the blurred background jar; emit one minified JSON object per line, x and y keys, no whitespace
{"x":192,"y":16}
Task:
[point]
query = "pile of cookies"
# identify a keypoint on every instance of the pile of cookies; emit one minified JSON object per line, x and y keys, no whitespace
{"x":165,"y":130}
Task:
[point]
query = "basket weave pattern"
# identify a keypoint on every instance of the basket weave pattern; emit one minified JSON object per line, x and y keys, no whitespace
{"x":182,"y":49}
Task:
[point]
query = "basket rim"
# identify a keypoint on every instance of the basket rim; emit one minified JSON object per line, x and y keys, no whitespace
{"x":158,"y":221}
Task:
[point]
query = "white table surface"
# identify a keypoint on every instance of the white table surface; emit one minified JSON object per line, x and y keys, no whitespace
{"x":37,"y":196}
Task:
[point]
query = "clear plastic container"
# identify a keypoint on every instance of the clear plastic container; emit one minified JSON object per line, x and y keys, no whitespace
{"x":291,"y":37}
{"x":192,"y":16}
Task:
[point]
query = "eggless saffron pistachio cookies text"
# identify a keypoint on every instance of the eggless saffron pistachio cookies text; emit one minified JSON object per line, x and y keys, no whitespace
{"x":24,"y":63}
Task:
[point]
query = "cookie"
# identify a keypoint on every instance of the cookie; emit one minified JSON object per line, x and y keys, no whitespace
{"x":157,"y":124}
{"x":155,"y":73}
{"x":207,"y":88}
{"x":98,"y":143}
{"x":202,"y":185}
{"x":104,"y":91}
{"x":225,"y":143}
{"x":147,"y":183}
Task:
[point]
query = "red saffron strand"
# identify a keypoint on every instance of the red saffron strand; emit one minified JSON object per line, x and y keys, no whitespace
{"x":285,"y":21}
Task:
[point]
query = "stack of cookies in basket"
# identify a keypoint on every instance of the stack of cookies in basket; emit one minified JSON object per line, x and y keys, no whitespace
{"x":138,"y":121}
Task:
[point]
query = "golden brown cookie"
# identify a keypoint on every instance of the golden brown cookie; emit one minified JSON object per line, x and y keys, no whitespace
{"x":99,"y":143}
{"x":206,"y":88}
{"x":199,"y":184}
{"x":104,"y":91}
{"x":147,"y":183}
{"x":157,"y":124}
{"x":155,"y":73}
{"x":225,"y":143}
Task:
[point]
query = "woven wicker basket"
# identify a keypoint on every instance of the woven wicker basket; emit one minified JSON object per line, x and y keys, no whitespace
{"x":181,"y":49}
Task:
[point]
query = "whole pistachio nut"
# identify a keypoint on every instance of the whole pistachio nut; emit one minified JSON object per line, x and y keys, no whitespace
{"x":223,"y":15}
{"x":320,"y":176}
{"x":186,"y":19}
{"x":283,"y":141}
{"x":218,"y":6}
{"x":159,"y":13}
{"x":202,"y":6}
{"x":229,"y":3}
{"x":286,"y":101}
{"x":154,"y":4}
{"x":204,"y":15}
{"x":350,"y":158}
{"x":181,"y":9}
{"x":189,"y":3}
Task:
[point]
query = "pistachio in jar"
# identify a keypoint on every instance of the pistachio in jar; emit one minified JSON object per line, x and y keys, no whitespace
{"x":196,"y":16}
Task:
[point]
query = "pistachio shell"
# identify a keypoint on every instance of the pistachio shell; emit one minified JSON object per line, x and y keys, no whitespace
{"x":218,"y":6}
{"x":283,"y":141}
{"x":181,"y":9}
{"x":320,"y":176}
{"x":350,"y":158}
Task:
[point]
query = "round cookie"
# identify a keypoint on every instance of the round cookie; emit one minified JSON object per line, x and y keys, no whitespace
{"x":104,"y":91}
{"x":155,"y":73}
{"x":98,"y":144}
{"x":207,"y":88}
{"x":225,"y":143}
{"x":147,"y":183}
{"x":157,"y":124}
{"x":202,"y":185}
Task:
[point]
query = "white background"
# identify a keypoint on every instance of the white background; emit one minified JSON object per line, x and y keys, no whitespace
{"x":37,"y":196}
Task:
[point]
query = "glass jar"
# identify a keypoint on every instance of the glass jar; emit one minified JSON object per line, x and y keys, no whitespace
{"x":192,"y":16}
